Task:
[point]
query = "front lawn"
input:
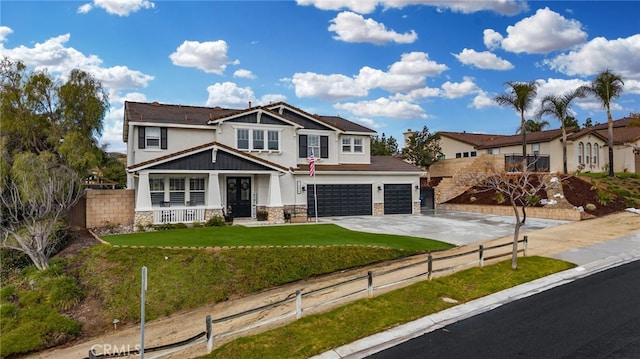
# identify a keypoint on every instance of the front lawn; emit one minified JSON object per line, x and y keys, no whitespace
{"x":285,"y":235}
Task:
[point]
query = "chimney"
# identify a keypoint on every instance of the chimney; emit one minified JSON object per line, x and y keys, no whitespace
{"x":249,"y":104}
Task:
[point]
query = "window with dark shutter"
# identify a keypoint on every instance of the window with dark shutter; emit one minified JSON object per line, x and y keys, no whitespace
{"x":163,"y":138}
{"x":141,"y":137}
{"x":302,"y":146}
{"x":324,"y":146}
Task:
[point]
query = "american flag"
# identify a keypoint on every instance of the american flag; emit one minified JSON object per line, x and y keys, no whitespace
{"x":312,"y":165}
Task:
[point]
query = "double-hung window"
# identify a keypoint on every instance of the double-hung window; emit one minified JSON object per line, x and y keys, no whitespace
{"x":258,"y":139}
{"x":313,"y":145}
{"x":176,"y":191}
{"x":152,"y":137}
{"x":196,"y":191}
{"x":273,"y":142}
{"x":352,"y":145}
{"x":156,"y":188}
{"x":243,"y":138}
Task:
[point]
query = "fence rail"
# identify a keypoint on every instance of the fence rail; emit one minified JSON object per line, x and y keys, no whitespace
{"x":292,"y":305}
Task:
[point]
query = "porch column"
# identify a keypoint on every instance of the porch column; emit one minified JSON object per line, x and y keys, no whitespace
{"x":143,"y":194}
{"x":213,"y":193}
{"x":275,"y":197}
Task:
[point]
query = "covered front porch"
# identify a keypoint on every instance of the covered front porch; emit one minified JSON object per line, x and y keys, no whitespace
{"x":196,"y":197}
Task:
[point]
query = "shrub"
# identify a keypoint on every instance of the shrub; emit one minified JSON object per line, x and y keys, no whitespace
{"x":197,"y":224}
{"x":12,"y":261}
{"x":215,"y":221}
{"x":163,"y":227}
{"x":604,"y":197}
{"x":498,"y":197}
{"x":8,"y":293}
{"x":63,"y":292}
{"x":179,"y":226}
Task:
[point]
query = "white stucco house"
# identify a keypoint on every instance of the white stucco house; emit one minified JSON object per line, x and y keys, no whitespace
{"x":587,"y":149}
{"x":189,"y":163}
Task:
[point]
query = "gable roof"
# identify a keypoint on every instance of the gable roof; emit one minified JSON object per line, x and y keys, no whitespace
{"x":532,"y":137}
{"x":474,"y":139}
{"x":157,"y":113}
{"x":622,"y":132}
{"x":204,"y":147}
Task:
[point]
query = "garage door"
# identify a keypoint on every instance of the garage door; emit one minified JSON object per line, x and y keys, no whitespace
{"x":340,"y":200}
{"x":398,"y":199}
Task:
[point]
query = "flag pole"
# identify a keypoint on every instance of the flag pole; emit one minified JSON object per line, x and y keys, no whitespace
{"x":315,"y":196}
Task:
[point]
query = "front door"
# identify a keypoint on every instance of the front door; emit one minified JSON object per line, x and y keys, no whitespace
{"x":239,"y":196}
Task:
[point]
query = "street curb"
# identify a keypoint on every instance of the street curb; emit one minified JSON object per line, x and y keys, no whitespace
{"x":402,"y":333}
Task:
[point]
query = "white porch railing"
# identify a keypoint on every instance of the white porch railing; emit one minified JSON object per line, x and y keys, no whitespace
{"x":178,"y":215}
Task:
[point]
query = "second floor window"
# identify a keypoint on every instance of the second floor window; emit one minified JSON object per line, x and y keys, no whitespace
{"x":257,"y":139}
{"x":352,"y":145}
{"x":313,"y":145}
{"x":154,"y":138}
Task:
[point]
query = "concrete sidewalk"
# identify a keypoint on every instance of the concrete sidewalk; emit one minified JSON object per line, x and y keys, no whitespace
{"x":592,"y":257}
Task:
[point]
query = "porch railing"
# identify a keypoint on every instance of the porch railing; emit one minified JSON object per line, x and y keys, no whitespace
{"x":535,"y":163}
{"x":178,"y":215}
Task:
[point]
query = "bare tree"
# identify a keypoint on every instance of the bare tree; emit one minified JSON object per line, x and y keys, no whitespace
{"x":520,"y":189}
{"x":34,"y":203}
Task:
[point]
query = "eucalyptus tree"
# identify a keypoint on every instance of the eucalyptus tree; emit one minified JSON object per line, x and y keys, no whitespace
{"x":606,"y":87}
{"x":559,"y":106}
{"x":519,"y":96}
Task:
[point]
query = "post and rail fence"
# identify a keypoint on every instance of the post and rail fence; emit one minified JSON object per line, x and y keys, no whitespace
{"x":291,"y":307}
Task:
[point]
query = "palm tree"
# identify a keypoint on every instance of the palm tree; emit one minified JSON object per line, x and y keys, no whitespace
{"x":559,"y":107}
{"x":520,"y":96}
{"x":533,"y":126}
{"x":606,"y":87}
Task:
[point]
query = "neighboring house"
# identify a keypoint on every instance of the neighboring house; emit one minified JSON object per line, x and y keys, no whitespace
{"x":188,"y":164}
{"x":587,"y":149}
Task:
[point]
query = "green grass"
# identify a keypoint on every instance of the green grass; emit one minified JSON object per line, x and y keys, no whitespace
{"x":288,"y":235}
{"x":318,"y":333}
{"x":180,"y":279}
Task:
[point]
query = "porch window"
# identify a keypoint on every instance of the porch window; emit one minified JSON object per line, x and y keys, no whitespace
{"x":196,"y":191}
{"x":156,"y":188}
{"x":242,"y":138}
{"x":176,"y":191}
{"x":258,"y":140}
{"x":273,"y":140}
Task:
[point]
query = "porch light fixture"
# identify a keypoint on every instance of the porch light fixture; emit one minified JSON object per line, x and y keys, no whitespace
{"x":417,"y":187}
{"x":379,"y":188}
{"x":304,"y":188}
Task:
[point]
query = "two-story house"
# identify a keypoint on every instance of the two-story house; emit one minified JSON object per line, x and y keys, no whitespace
{"x":189,"y":163}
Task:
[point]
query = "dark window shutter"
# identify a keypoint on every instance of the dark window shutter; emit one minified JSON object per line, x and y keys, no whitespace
{"x":324,"y":146}
{"x":163,"y":138}
{"x":302,"y":146}
{"x":141,"y":137}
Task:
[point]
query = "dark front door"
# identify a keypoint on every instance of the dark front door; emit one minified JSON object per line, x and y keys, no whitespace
{"x":239,"y":196}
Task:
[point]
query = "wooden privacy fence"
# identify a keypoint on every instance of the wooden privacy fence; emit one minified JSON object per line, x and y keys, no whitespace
{"x":296,"y":304}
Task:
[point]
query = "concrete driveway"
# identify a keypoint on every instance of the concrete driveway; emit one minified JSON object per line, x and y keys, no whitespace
{"x":458,"y":228}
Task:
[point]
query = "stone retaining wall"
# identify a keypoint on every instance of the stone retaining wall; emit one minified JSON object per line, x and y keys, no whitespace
{"x":533,"y":212}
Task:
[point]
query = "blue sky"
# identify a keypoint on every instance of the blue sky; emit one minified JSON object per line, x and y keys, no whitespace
{"x":390,"y":65}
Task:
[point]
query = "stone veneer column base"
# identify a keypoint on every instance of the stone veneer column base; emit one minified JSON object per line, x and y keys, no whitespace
{"x":143,"y":219}
{"x":416,"y":207}
{"x":378,"y":209}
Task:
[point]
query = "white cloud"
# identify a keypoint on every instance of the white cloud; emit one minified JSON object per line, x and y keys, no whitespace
{"x":542,"y":33}
{"x":113,"y":121}
{"x":208,"y":56}
{"x":384,"y":107}
{"x":483,"y":60}
{"x":482,"y":100}
{"x":492,"y":39}
{"x":454,"y":90}
{"x":117,"y":7}
{"x":553,"y":86}
{"x":245,"y":74}
{"x":55,"y":57}
{"x":504,"y":7}
{"x":4,"y":31}
{"x":327,"y":87}
{"x":420,"y":93}
{"x":351,"y":27}
{"x":620,"y":55}
{"x":228,"y":94}
{"x":405,"y":75}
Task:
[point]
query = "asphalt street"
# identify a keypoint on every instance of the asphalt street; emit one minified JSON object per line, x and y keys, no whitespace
{"x":593,"y":317}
